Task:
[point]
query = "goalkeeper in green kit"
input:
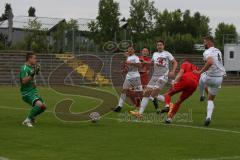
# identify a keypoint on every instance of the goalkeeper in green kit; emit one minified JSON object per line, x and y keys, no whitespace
{"x":28,"y":89}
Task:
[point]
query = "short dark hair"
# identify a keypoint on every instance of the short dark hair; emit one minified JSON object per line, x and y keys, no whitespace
{"x":161,"y":41}
{"x":209,"y":38}
{"x":29,"y":55}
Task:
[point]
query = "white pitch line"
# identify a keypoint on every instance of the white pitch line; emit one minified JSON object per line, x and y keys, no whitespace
{"x":18,"y":108}
{"x":219,"y":158}
{"x":180,"y":125}
{"x":3,"y":158}
{"x":150,"y":122}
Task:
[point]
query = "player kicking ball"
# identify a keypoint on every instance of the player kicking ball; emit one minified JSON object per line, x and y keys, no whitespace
{"x":132,"y":80}
{"x":161,"y":61}
{"x":28,"y":89}
{"x":186,"y":82}
{"x":215,"y":71}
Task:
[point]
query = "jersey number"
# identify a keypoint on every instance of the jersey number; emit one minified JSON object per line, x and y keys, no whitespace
{"x":162,"y":62}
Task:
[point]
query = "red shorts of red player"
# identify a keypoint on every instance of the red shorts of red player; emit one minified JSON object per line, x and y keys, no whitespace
{"x":187,"y":87}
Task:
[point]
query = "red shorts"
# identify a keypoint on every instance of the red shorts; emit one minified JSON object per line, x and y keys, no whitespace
{"x":187,"y":86}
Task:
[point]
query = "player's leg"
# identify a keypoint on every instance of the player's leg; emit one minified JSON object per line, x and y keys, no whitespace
{"x":184,"y":95}
{"x":126,"y":86}
{"x":38,"y":107}
{"x":121,"y":100}
{"x":176,"y":88}
{"x":131,"y":94}
{"x":213,"y":83}
{"x":202,"y":86}
{"x":160,"y":83}
{"x":144,"y":102}
{"x":41,"y":104}
{"x":146,"y":95}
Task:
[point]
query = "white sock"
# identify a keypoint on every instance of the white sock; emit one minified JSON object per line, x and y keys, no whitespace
{"x":151,"y":98}
{"x":122,"y":99}
{"x":144,"y":104}
{"x":161,"y":98}
{"x":210,"y":108}
{"x":201,"y":87}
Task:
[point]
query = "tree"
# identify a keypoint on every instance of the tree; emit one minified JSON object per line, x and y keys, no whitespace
{"x":106,"y":26}
{"x":71,"y":30}
{"x":225,"y":33}
{"x":142,"y":14}
{"x":31,"y":12}
{"x":59,"y":37}
{"x":5,"y":14}
{"x":36,"y":40}
{"x":178,"y":22}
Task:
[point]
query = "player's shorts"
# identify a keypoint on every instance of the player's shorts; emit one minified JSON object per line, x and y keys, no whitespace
{"x":157,"y":82}
{"x":32,"y":97}
{"x":133,"y":83}
{"x":213,"y":84}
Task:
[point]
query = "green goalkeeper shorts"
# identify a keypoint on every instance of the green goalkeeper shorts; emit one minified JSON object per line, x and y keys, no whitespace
{"x":32,"y":97}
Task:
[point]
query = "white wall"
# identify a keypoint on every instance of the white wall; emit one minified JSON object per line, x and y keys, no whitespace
{"x":232,"y":64}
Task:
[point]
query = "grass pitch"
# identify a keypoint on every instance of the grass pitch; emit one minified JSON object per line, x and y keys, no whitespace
{"x":111,"y":139}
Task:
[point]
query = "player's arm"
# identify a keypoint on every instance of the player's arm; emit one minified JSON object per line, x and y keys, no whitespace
{"x":26,"y":77}
{"x":179,"y":75}
{"x":208,"y":64}
{"x":174,"y":67}
{"x":25,"y":80}
{"x":137,"y":63}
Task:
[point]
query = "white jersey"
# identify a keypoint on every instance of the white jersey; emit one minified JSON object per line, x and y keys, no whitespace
{"x":161,"y":62}
{"x":217,"y":69}
{"x":133,"y":70}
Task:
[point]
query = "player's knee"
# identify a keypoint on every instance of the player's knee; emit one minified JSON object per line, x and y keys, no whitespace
{"x":43,"y":107}
{"x":211,"y":97}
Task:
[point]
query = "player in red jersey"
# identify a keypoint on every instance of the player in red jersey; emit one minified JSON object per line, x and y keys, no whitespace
{"x":145,"y":69}
{"x":186,"y":82}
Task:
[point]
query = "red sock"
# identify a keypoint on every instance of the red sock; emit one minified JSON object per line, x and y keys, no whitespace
{"x":167,"y":99}
{"x":173,"y":110}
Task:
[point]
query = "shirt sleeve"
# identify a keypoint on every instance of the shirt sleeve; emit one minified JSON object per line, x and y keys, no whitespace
{"x":137,"y":59}
{"x":153,"y":57}
{"x":23,"y":73}
{"x":170,"y":56}
{"x":205,"y":55}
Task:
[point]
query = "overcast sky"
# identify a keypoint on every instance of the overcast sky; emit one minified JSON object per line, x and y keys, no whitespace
{"x":218,"y":10}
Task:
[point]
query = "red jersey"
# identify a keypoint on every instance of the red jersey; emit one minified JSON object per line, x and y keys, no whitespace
{"x":145,"y":67}
{"x":188,"y":71}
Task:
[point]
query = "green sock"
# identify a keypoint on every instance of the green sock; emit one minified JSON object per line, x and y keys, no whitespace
{"x":40,"y":111}
{"x":35,"y":110}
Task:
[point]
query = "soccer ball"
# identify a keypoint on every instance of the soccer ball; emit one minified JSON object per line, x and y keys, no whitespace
{"x":94,"y":116}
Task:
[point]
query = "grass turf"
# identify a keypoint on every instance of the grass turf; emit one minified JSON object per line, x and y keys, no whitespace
{"x":113,"y":140}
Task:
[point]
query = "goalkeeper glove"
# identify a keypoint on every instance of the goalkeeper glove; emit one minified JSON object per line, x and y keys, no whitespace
{"x":37,"y":69}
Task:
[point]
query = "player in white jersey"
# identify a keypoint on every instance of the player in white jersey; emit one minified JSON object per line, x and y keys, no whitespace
{"x":214,"y":72}
{"x":161,"y":61}
{"x":132,"y":80}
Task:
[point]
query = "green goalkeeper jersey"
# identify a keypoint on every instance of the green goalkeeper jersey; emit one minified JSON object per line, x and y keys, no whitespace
{"x":26,"y":71}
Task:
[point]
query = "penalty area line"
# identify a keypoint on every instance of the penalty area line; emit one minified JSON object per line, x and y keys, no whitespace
{"x":4,"y":158}
{"x":149,"y":122}
{"x":218,"y":158}
{"x":178,"y":125}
